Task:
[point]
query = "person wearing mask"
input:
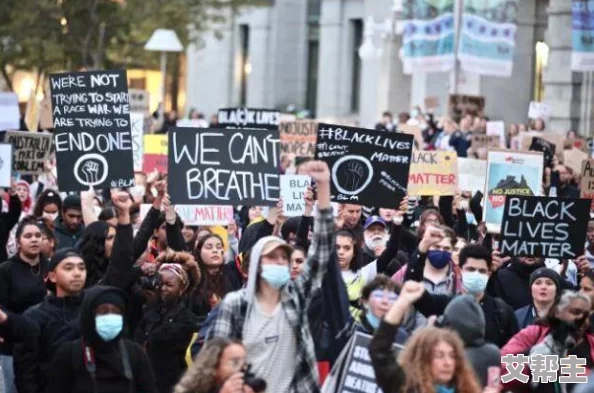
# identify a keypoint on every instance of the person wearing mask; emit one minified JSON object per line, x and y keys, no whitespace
{"x":434,"y":357}
{"x":545,"y":287}
{"x":102,"y":360}
{"x":564,"y":331}
{"x":69,"y":226}
{"x":386,"y":124}
{"x":21,"y":285}
{"x":219,"y":367}
{"x":269,"y":316}
{"x":48,"y":205}
{"x":465,"y":316}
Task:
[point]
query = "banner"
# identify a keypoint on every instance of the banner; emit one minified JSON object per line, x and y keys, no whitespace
{"x":509,"y":173}
{"x":471,"y":175}
{"x":367,"y":167}
{"x":155,"y":153}
{"x":293,"y":188}
{"x":218,"y":167}
{"x":9,"y":112}
{"x":93,"y":139}
{"x":433,"y":173}
{"x":488,"y":37}
{"x":30,"y":151}
{"x":137,"y":128}
{"x":544,"y":227}
{"x":298,"y":138}
{"x":582,"y":37}
{"x":5,"y":165}
{"x":258,"y":119}
{"x":428,"y":36}
{"x":198,"y":214}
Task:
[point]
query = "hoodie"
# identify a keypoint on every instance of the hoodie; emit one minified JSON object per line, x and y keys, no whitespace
{"x":465,"y":316}
{"x":64,"y":237}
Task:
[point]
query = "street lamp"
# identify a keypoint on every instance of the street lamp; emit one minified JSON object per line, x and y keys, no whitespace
{"x":163,"y":41}
{"x":368,"y":50}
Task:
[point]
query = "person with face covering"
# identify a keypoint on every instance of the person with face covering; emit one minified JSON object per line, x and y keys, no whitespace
{"x":564,"y":331}
{"x":102,"y":360}
{"x":270,"y":315}
{"x":48,"y":205}
{"x":545,"y":288}
{"x":167,"y":324}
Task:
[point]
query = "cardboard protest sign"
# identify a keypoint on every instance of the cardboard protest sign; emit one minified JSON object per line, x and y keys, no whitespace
{"x":460,"y":104}
{"x":91,"y":101}
{"x":139,"y":100}
{"x":32,"y":112}
{"x":573,"y":158}
{"x":93,"y":138}
{"x":497,"y":128}
{"x":367,"y":167}
{"x":431,"y":103}
{"x":546,"y":148}
{"x":433,"y":173}
{"x":293,"y":188}
{"x":587,"y":181}
{"x":484,"y":141}
{"x":298,"y":138}
{"x":30,"y":151}
{"x":538,"y":110}
{"x":471,"y":174}
{"x":544,"y":227}
{"x":261,"y":119}
{"x":5,"y":165}
{"x":415,"y":131}
{"x":46,"y":120}
{"x":197,"y":214}
{"x":10,"y":116}
{"x":218,"y":167}
{"x":357,"y":371}
{"x":509,"y":173}
{"x":557,"y":139}
{"x":137,"y":122}
{"x":155,"y":153}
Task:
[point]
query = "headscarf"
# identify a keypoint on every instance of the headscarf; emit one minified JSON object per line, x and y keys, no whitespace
{"x":178,"y":271}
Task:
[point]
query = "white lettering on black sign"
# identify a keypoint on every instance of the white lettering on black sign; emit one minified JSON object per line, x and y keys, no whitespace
{"x":264,"y":119}
{"x":368,"y":167}
{"x":216,"y":167}
{"x":544,"y":227}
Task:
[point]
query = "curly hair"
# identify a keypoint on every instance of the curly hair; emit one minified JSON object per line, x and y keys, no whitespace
{"x":201,"y":376}
{"x":418,"y":356}
{"x":187,"y":262}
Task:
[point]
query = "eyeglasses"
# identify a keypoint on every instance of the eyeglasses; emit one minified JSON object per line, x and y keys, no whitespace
{"x":380,"y":294}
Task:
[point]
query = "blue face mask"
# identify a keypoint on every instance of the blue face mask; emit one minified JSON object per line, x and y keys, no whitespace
{"x":444,"y":389}
{"x":470,"y":219}
{"x":276,"y":275}
{"x":372,"y":319}
{"x":108,"y":326}
{"x":474,"y":282}
{"x":439,"y":259}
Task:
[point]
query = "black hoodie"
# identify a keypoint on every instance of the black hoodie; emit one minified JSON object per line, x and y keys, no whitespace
{"x":68,"y":373}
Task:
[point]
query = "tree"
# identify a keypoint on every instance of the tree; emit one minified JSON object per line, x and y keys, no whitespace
{"x":52,"y":35}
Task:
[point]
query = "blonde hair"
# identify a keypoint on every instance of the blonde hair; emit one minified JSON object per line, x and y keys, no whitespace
{"x":417,"y":357}
{"x":201,"y":376}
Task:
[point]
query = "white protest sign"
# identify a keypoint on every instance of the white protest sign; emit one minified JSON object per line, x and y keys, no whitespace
{"x":293,"y":188}
{"x":471,"y":174}
{"x":137,"y":120}
{"x":5,"y":164}
{"x":497,"y":128}
{"x":9,"y":112}
{"x":198,"y":214}
{"x":539,"y":110}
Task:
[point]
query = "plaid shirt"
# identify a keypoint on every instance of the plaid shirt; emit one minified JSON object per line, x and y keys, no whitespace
{"x":295,"y":299}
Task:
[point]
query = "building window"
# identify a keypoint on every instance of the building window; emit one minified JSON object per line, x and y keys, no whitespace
{"x":542,"y":59}
{"x":357,"y":31}
{"x":246,"y":66}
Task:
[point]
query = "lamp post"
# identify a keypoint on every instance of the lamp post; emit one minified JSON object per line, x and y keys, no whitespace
{"x":163,"y":41}
{"x":368,"y":50}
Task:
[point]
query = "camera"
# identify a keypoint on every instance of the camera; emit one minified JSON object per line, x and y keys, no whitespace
{"x":150,"y":283}
{"x":249,"y":378}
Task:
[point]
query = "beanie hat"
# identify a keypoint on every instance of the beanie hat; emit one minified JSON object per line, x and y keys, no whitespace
{"x":71,"y":202}
{"x":112,"y":297}
{"x":62,"y":254}
{"x":548,"y":273}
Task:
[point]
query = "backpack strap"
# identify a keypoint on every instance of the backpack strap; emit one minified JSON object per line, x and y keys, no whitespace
{"x":90,"y":365}
{"x":126,"y":362}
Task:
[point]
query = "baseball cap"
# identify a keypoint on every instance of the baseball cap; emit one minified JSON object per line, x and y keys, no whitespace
{"x":273,"y":244}
{"x":374,"y":220}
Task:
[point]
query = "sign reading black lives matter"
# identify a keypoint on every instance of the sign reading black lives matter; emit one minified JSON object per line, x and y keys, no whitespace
{"x":223,"y":167}
{"x":544,"y":227}
{"x":257,"y":119}
{"x":93,"y":137}
{"x":367,"y":167}
{"x":31,"y":150}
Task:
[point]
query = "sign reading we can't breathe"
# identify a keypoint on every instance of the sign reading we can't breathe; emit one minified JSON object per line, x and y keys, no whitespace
{"x":544,"y":227}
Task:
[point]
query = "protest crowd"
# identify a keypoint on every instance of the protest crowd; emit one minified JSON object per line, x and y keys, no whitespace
{"x":428,"y":255}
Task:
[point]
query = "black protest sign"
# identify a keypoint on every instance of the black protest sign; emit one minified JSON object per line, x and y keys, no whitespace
{"x":90,"y":101}
{"x":218,"y":167}
{"x":30,"y":151}
{"x":257,"y":119}
{"x":95,"y":159}
{"x":367,"y":167}
{"x":544,"y":227}
{"x":358,"y":375}
{"x":547,"y":148}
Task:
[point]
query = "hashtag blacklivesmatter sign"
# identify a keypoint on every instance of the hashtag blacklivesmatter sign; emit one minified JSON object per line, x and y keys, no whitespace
{"x":93,"y":138}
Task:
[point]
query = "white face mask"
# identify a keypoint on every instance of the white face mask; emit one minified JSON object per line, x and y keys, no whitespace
{"x":464,"y":204}
{"x":372,"y":242}
{"x":50,"y":216}
{"x":138,"y":191}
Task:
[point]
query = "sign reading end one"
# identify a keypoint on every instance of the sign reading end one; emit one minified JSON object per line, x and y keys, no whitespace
{"x":544,"y":227}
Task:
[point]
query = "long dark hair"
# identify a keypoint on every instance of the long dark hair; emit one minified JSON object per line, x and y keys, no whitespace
{"x":357,"y":261}
{"x":92,"y":249}
{"x":210,"y":284}
{"x":47,"y":197}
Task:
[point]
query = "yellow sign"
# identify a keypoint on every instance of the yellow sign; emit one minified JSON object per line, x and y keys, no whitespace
{"x":433,"y":173}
